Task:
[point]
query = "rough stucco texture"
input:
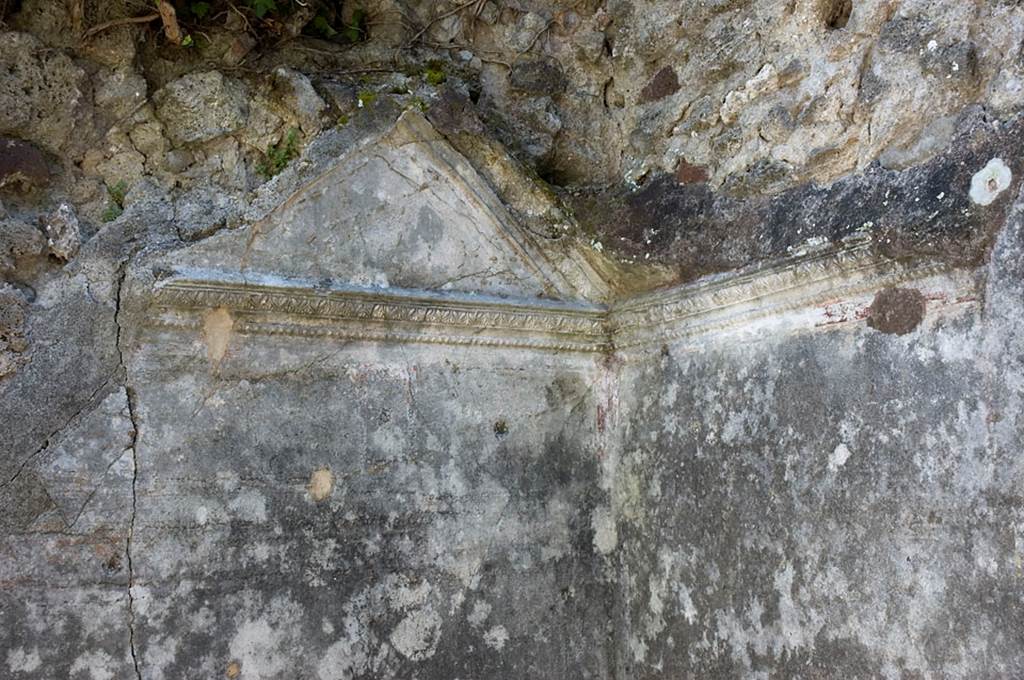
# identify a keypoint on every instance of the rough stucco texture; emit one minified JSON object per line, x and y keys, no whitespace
{"x":310,"y":511}
{"x":841,"y":503}
{"x":343,"y":514}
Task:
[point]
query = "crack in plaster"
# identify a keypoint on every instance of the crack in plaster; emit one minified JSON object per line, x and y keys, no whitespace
{"x":130,"y":399}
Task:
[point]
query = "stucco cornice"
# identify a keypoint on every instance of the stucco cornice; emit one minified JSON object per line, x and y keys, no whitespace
{"x":830,"y":284}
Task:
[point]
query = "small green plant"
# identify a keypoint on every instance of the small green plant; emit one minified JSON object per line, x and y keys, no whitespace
{"x":279,"y":155}
{"x":323,"y":27}
{"x":366,"y":98}
{"x":111,"y":213}
{"x":261,"y":7}
{"x":115,"y":201}
{"x":434,"y":73}
{"x":356,"y":30}
{"x":200,"y":9}
{"x":342,"y":120}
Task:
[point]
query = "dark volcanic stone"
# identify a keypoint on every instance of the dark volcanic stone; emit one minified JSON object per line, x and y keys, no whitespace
{"x":664,"y":83}
{"x":538,"y":77}
{"x":688,"y":173}
{"x":958,"y":60}
{"x":22,"y":165}
{"x":454,"y":112}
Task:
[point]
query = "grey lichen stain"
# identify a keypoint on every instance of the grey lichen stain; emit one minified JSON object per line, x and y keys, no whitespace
{"x":416,"y":636}
{"x":896,"y":311}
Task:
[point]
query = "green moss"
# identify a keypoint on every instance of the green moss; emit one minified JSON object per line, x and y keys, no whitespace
{"x":118,"y":192}
{"x":367,"y":98}
{"x":434,"y":72}
{"x":115,"y":201}
{"x":279,"y":155}
{"x":111,"y":213}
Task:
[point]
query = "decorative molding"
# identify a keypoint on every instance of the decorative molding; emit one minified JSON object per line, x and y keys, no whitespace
{"x":271,"y":306}
{"x":736,"y":300}
{"x":302,"y":309}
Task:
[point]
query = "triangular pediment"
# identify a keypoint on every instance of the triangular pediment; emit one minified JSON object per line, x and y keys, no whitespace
{"x":402,"y":210}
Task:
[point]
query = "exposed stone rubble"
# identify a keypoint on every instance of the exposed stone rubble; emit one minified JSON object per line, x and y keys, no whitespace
{"x":615,"y":339}
{"x":62,"y":233}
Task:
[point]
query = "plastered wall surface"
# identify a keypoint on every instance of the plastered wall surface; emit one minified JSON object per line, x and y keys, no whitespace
{"x":381,"y":431}
{"x":831,"y":501}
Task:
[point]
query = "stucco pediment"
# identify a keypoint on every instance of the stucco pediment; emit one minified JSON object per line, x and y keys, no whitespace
{"x":401,"y":210}
{"x":398,"y":239}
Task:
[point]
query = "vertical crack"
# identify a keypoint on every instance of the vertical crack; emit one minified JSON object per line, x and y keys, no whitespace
{"x":130,"y":398}
{"x":131,"y":533}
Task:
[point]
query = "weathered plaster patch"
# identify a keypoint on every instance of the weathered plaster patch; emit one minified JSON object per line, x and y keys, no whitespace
{"x":735,"y":428}
{"x":664,"y":583}
{"x":481,"y":610}
{"x":348,"y":657}
{"x":496,"y":638}
{"x":264,"y":645}
{"x":416,"y":636}
{"x":990,"y":181}
{"x":352,"y":654}
{"x":794,"y":628}
{"x":628,"y":493}
{"x":839,"y":456}
{"x":686,"y":602}
{"x":638,"y":647}
{"x":461,"y":543}
{"x":606,"y":536}
{"x":162,"y":652}
{"x":21,"y":661}
{"x":249,"y":505}
{"x":97,"y":665}
{"x":402,"y":595}
{"x":228,"y":480}
{"x":323,"y":553}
